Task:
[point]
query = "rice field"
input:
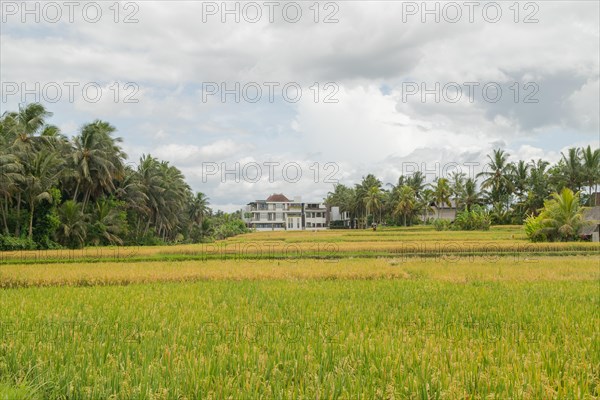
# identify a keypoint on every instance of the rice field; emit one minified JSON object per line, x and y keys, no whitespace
{"x":441,"y":325}
{"x":330,"y":244}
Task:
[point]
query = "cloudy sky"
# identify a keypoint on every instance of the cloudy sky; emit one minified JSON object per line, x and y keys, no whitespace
{"x":328,"y":90}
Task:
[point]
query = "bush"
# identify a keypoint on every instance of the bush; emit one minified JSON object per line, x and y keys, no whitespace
{"x":559,"y":220}
{"x":224,"y":228}
{"x":337,"y":225}
{"x":11,"y":243}
{"x":533,"y":229}
{"x":441,"y":224}
{"x":477,"y":219}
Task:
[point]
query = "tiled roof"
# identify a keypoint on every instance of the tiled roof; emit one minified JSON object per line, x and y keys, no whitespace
{"x":278,"y":197}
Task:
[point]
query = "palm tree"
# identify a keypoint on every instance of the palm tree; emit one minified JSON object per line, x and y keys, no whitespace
{"x":427,"y":198}
{"x":572,"y":169}
{"x":11,"y":174}
{"x":538,"y":185}
{"x":361,"y":192}
{"x":21,"y":131}
{"x":166,"y":195}
{"x":373,"y":201}
{"x":470,"y":195}
{"x":344,"y":198}
{"x":407,"y":203}
{"x":562,"y":215}
{"x":591,"y":168}
{"x":441,"y":193}
{"x":107,"y":223}
{"x":41,"y":174}
{"x":498,"y":178}
{"x":199,"y":208}
{"x":72,"y":229}
{"x":98,"y":160}
{"x":25,"y":126}
{"x":520,"y":175}
{"x":457,"y":185}
{"x":417,"y":182}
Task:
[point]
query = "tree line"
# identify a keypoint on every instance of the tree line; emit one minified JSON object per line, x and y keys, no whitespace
{"x":59,"y":191}
{"x":505,"y":192}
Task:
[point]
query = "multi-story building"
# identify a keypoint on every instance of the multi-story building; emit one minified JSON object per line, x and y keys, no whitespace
{"x":278,"y":212}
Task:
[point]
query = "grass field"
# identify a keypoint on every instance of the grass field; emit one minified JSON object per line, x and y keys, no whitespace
{"x":171,"y":322}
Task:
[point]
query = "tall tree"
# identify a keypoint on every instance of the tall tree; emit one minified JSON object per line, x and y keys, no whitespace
{"x":441,"y":193}
{"x":373,"y":201}
{"x":591,"y":168}
{"x":572,"y":169}
{"x":498,"y":177}
{"x":98,"y":161}
{"x":470,"y":196}
{"x":41,"y":174}
{"x":407,"y":203}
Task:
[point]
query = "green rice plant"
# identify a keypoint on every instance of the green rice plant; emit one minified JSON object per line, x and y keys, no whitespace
{"x":306,"y":338}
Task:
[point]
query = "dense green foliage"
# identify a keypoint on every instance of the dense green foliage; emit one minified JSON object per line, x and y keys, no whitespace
{"x":510,"y":191}
{"x":559,"y":220}
{"x":80,"y":191}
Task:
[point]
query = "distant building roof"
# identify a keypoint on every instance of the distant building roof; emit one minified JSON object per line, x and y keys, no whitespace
{"x":444,"y":206}
{"x":587,"y":230}
{"x":278,"y":197}
{"x":592,"y":214}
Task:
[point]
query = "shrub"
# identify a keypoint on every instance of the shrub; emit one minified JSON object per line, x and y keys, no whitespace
{"x":477,"y":219}
{"x":11,"y":243}
{"x":533,"y":229}
{"x":559,"y":220}
{"x":441,"y":224}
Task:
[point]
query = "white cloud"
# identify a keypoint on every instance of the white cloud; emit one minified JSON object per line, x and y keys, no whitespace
{"x":368,"y":54}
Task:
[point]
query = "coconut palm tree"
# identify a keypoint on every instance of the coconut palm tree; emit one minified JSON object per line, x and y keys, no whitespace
{"x":457,"y":185}
{"x":470,"y":195}
{"x":361,"y":192}
{"x":441,"y":193}
{"x":98,"y":160}
{"x":373,"y":201}
{"x":42,"y":170}
{"x":22,"y":137}
{"x":591,"y":168}
{"x":11,"y":175}
{"x":572,"y":169}
{"x":539,"y":185}
{"x":417,"y":182}
{"x":561,"y":217}
{"x":407,"y":203}
{"x":427,"y":198}
{"x":199,"y":208}
{"x":498,"y":176}
{"x":520,"y":175}
{"x":24,"y":127}
{"x":72,"y":229}
{"x":107,"y":224}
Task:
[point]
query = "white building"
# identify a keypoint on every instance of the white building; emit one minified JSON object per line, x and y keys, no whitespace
{"x":339,"y":219}
{"x":278,"y":213}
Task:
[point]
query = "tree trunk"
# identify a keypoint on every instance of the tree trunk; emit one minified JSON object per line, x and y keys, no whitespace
{"x":18,"y":224}
{"x":86,"y":198}
{"x":32,"y":208}
{"x":76,"y":192}
{"x":4,"y":213}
